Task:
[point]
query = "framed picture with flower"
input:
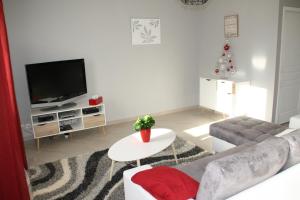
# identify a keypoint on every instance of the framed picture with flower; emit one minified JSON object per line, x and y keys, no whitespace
{"x":145,"y":31}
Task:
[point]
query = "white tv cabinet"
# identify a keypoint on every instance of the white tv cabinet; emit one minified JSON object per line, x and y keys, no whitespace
{"x":74,"y":117}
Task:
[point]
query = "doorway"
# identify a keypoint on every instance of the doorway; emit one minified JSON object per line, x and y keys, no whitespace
{"x":288,"y":94}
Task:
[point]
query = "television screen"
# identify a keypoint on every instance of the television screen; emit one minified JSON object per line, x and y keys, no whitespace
{"x":56,"y":81}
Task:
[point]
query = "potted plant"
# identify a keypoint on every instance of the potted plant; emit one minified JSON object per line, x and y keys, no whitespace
{"x":144,"y":125}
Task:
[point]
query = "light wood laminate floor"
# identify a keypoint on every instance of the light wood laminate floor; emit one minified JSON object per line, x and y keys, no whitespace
{"x":191,"y":125}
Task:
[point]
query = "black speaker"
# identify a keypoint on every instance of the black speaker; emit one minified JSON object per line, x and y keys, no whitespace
{"x":87,"y":111}
{"x":45,"y":118}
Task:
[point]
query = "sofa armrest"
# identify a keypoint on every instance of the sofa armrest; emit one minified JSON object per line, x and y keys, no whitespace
{"x":132,"y":190}
{"x":284,"y":185}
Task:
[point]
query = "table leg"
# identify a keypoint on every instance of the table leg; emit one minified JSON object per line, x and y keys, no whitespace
{"x":111,"y":169}
{"x":138,"y":162}
{"x":174,"y":152}
{"x":37,"y":143}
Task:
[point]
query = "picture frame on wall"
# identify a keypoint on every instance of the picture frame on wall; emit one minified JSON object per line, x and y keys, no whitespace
{"x":231,"y":26}
{"x":145,"y":31}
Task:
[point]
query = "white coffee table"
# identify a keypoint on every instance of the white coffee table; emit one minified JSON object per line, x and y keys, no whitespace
{"x":132,"y":148}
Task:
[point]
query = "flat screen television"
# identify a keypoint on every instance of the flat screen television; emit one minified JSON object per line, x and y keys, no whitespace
{"x":56,"y":83}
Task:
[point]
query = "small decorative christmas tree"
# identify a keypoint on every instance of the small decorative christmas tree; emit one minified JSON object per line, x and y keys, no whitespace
{"x":225,"y":66}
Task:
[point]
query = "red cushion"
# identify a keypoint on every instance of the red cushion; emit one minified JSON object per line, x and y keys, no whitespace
{"x":166,"y":183}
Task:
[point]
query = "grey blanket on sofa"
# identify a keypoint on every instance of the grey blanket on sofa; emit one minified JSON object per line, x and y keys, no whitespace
{"x":240,"y":130}
{"x":196,"y":168}
{"x":234,"y":173}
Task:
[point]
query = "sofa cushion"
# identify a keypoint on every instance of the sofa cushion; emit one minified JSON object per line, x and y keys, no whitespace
{"x":294,"y":154}
{"x":263,"y":137}
{"x":232,"y":174}
{"x":166,"y":183}
{"x":196,"y":168}
{"x":240,"y":130}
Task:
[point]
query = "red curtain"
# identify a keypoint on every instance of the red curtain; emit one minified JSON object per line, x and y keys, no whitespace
{"x":13,"y":184}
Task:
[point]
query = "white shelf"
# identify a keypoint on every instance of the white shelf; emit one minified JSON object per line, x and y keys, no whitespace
{"x":93,"y":114}
{"x":47,"y":122}
{"x":66,"y":114}
{"x":79,"y":106}
{"x":66,"y":119}
{"x":35,"y":118}
{"x":78,"y":122}
{"x":75,"y":127}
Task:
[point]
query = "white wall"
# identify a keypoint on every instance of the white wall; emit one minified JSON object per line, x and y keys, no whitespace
{"x":144,"y":79}
{"x":133,"y":80}
{"x":257,"y":42}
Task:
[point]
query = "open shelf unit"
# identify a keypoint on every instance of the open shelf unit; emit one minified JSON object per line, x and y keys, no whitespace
{"x":63,"y":121}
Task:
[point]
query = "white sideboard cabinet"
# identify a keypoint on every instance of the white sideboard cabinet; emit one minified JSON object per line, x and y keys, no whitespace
{"x":225,"y":96}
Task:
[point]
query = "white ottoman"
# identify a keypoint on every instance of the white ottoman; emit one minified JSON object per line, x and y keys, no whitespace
{"x":295,"y":122}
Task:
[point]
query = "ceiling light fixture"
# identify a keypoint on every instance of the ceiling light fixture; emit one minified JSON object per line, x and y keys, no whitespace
{"x":194,"y":2}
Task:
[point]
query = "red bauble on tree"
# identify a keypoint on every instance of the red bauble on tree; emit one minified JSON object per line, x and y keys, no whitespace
{"x":226,"y":47}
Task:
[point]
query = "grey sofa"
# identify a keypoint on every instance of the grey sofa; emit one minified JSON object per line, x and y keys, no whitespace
{"x":228,"y":173}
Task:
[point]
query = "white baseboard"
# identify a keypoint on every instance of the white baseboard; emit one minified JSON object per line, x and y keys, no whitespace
{"x":130,"y":119}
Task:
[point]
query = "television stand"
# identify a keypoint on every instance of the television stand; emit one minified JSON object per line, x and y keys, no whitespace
{"x":62,"y":107}
{"x":62,"y":120}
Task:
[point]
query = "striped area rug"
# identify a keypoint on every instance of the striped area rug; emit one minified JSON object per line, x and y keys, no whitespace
{"x":86,"y":176}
